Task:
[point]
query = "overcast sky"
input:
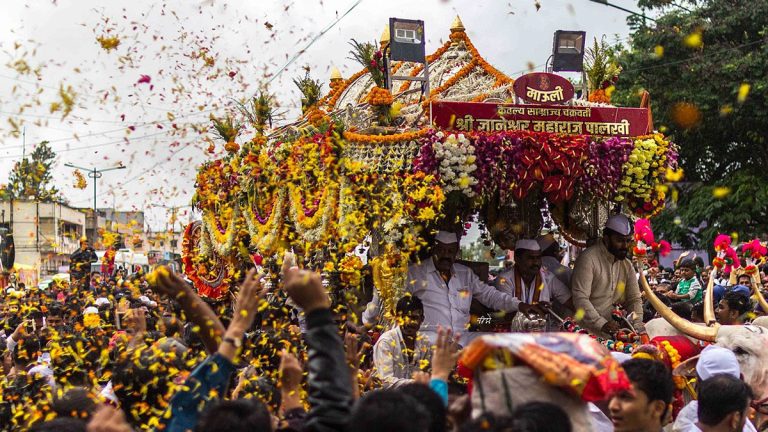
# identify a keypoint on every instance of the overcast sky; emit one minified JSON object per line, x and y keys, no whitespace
{"x":199,"y":57}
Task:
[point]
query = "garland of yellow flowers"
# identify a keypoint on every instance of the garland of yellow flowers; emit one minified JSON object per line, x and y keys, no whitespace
{"x":674,"y":361}
{"x":647,"y":163}
{"x":222,"y":242}
{"x":389,"y":272}
{"x":265,"y":236}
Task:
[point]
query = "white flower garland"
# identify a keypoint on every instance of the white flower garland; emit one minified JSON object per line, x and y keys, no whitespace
{"x":457,"y":163}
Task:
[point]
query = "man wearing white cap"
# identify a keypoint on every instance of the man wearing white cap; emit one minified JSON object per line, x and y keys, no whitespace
{"x":529,"y":282}
{"x":551,"y":258}
{"x":713,"y":360}
{"x":446,"y":290}
{"x":603,"y":276}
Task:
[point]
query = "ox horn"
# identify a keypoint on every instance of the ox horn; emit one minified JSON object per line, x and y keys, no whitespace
{"x":709,"y":297}
{"x":693,"y":330}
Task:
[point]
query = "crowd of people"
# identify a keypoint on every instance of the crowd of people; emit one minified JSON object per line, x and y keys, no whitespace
{"x":122,"y":352}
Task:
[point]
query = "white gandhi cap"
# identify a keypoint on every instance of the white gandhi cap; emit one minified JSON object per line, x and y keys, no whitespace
{"x":527,"y":244}
{"x":717,"y":360}
{"x":619,"y":223}
{"x":446,"y":237}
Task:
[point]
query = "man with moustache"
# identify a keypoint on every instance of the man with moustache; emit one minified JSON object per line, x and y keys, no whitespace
{"x":446,"y":290}
{"x":604,"y":276}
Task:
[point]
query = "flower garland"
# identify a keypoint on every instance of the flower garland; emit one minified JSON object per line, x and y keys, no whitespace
{"x":646,"y":165}
{"x":313,"y":225}
{"x":208,"y":282}
{"x":552,"y":160}
{"x":674,"y":362}
{"x":264,"y":229}
{"x":389,"y":273}
{"x":456,"y":158}
{"x":603,"y":167}
{"x":222,"y":237}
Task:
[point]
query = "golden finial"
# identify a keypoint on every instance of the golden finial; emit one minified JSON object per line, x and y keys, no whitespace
{"x":335,"y":74}
{"x":457,"y":25}
{"x":385,"y":36}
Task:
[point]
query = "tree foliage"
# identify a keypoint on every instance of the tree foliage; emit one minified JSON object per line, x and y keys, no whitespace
{"x":704,"y":65}
{"x":705,"y":71}
{"x":737,"y":205}
{"x":32,"y":176}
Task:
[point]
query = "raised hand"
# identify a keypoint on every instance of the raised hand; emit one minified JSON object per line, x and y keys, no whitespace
{"x":249,"y":298}
{"x":306,"y":290}
{"x":291,"y":374}
{"x":445,"y":353}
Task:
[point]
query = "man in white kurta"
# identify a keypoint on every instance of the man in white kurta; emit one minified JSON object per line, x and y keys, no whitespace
{"x":529,"y":282}
{"x":402,"y":350}
{"x":446,"y":289}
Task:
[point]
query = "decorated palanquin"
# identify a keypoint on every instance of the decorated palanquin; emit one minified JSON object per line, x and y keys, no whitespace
{"x":382,"y":163}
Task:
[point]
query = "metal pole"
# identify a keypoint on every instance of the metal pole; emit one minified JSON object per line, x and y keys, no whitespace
{"x":95,"y":222}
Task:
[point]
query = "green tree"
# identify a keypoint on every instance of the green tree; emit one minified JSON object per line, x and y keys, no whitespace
{"x":704,"y":67}
{"x":31,"y":177}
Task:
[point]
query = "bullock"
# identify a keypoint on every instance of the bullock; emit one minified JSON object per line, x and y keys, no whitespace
{"x":748,"y":342}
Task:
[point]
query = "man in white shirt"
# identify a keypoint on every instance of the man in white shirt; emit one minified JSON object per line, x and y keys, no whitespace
{"x":712,"y":361}
{"x":446,"y":289}
{"x":401,"y":351}
{"x":529,"y":282}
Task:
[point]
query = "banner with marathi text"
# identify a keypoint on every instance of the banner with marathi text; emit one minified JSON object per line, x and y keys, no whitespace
{"x":491,"y":117}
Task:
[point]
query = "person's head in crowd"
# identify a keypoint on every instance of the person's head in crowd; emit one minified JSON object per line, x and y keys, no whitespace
{"x":718,"y":291}
{"x":26,"y":352}
{"x":135,"y":378}
{"x":444,"y":251}
{"x":387,"y":411}
{"x":540,"y":417}
{"x":732,"y":308}
{"x":77,"y":403}
{"x":56,"y":316}
{"x":527,"y":258}
{"x":431,"y":401}
{"x":617,"y":236}
{"x":687,"y":269}
{"x":699,"y":262}
{"x":644,"y":406}
{"x":697,"y":312}
{"x":241,"y":415}
{"x":60,"y":424}
{"x":705,"y":274}
{"x":253,"y":384}
{"x":410,"y":314}
{"x":683,"y":309}
{"x":723,"y":403}
{"x":745,"y":280}
{"x":715,"y":360}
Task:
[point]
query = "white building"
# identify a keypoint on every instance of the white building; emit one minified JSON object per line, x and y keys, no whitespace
{"x":44,"y":233}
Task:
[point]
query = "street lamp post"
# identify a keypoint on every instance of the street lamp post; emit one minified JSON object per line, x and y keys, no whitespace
{"x":94,"y":173}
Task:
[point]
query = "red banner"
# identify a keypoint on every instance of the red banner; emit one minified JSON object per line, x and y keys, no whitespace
{"x":574,"y":120}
